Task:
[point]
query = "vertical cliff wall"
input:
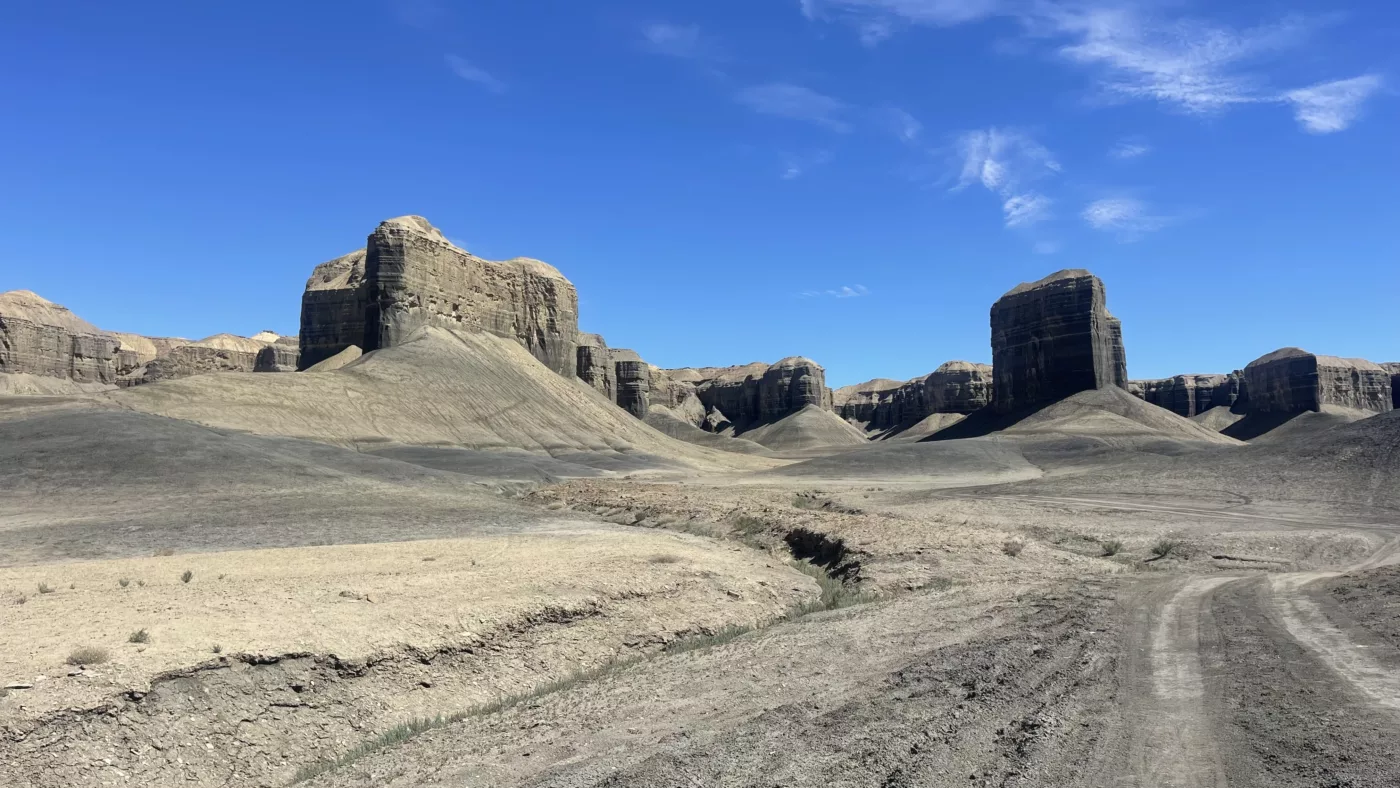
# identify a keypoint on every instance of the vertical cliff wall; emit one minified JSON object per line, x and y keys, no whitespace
{"x":1292,"y":380}
{"x":416,"y":277}
{"x":333,"y":309}
{"x":1054,"y":338}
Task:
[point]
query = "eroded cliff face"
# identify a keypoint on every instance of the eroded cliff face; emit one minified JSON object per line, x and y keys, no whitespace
{"x":333,"y":308}
{"x":1054,"y":338}
{"x":633,"y":381}
{"x":1393,"y":367}
{"x":741,"y":398}
{"x":882,"y":404}
{"x":595,"y":364}
{"x":416,"y":277}
{"x":1292,"y":380}
{"x":1189,"y":395}
{"x":39,"y":337}
{"x":282,"y":355}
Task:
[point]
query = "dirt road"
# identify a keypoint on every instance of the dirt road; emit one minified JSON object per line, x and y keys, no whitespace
{"x":1152,"y":681}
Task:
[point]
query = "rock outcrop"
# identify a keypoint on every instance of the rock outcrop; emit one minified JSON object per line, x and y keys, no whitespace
{"x":41,"y":338}
{"x":281,"y":355}
{"x":633,"y":380}
{"x":1054,"y":338}
{"x":333,"y":309}
{"x":1292,"y":380}
{"x":595,"y":364}
{"x":958,"y":387}
{"x":409,"y":275}
{"x":1393,"y":367}
{"x":1191,"y":395}
{"x":745,"y":397}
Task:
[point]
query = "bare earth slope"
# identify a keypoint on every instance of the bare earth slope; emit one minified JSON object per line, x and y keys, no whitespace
{"x":467,"y":390}
{"x":809,"y":428}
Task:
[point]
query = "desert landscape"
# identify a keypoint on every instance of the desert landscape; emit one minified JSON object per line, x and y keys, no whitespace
{"x":443,"y":537}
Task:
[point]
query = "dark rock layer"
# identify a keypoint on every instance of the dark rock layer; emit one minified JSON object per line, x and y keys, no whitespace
{"x":1054,"y":338}
{"x":1291,"y":380}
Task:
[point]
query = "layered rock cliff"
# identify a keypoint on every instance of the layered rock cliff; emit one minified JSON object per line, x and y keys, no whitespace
{"x":1393,"y":367}
{"x":39,"y":337}
{"x":333,"y":309}
{"x":281,"y":355}
{"x":882,"y":404}
{"x":741,"y":398}
{"x":1292,"y":380}
{"x":416,"y":277}
{"x":1189,"y":395}
{"x":633,"y":381}
{"x":1054,"y":338}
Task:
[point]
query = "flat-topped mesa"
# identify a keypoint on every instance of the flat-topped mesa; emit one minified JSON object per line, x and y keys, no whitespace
{"x":416,"y":277}
{"x":218,"y":353}
{"x":1190,"y":395}
{"x":755,"y":394}
{"x":633,"y":378}
{"x":866,"y":403}
{"x":39,"y":337}
{"x":1053,"y":338}
{"x":1292,"y":380}
{"x":282,"y":355}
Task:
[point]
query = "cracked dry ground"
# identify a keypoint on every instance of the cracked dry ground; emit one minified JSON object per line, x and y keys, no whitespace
{"x":1054,"y":667}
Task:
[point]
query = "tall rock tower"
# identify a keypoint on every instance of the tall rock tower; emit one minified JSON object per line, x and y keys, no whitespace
{"x":1054,"y":338}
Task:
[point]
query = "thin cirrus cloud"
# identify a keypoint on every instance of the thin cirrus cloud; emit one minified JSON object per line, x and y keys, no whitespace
{"x":795,"y":167}
{"x":1129,"y":149}
{"x":470,"y":73}
{"x":1133,"y":53}
{"x":845,"y":291}
{"x":1005,"y":162}
{"x":1125,"y":217}
{"x":1330,"y":107}
{"x":795,"y":102}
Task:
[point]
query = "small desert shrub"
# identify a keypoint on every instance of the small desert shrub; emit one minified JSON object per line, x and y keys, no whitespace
{"x":1013,"y":547}
{"x":21,"y":599}
{"x":186,"y":576}
{"x":72,"y":586}
{"x":216,"y":648}
{"x":45,"y":588}
{"x":664,"y":559}
{"x":165,"y":552}
{"x":88,"y":655}
{"x":1111,"y":547}
{"x":141,"y":583}
{"x":139,"y":636}
{"x":429,"y":558}
{"x":1166,"y":547}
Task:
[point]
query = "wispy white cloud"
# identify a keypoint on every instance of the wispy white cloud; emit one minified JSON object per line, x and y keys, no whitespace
{"x":1126,"y":217}
{"x":877,"y":20}
{"x":1194,"y":66}
{"x":1129,"y":149}
{"x":471,"y":73}
{"x":1332,"y":106}
{"x":845,"y":291}
{"x":1026,"y":209}
{"x":1004,"y":161}
{"x":795,"y":166}
{"x":664,"y":38}
{"x":795,"y":102}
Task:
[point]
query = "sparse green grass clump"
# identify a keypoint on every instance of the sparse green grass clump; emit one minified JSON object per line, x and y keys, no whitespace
{"x":836,"y":593}
{"x":1111,"y":547}
{"x":139,"y":636}
{"x":45,"y":588}
{"x":186,"y":576}
{"x":88,"y":655}
{"x":1013,"y":547}
{"x":1166,"y":547}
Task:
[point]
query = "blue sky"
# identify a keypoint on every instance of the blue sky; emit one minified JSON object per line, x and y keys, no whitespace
{"x":852,"y":180}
